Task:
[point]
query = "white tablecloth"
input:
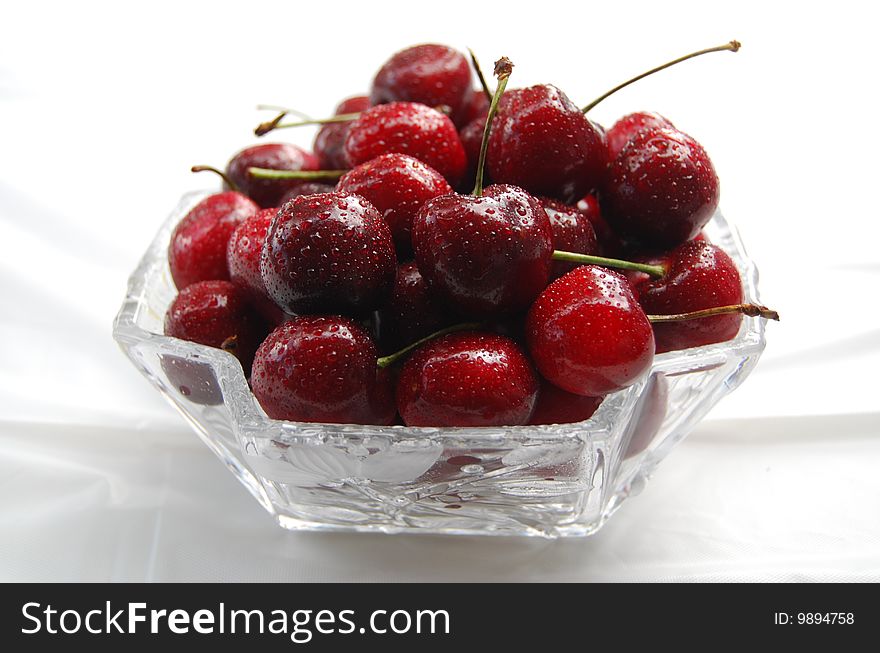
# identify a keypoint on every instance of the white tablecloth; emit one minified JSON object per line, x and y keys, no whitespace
{"x":102,"y":110}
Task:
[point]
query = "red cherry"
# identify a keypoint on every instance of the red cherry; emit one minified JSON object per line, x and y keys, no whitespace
{"x":243,"y":257}
{"x":411,"y":314}
{"x":274,"y":156}
{"x":484,"y":255}
{"x":467,"y":379}
{"x":543,"y":143}
{"x":556,"y":406}
{"x":397,"y":185}
{"x":193,"y":379}
{"x":197,"y":251}
{"x":435,"y":75}
{"x":661,"y":190}
{"x":587,"y":333}
{"x":472,"y":138}
{"x":329,"y":143}
{"x":625,"y":129}
{"x":572,"y":232}
{"x":217,"y":314}
{"x":609,"y":242}
{"x":699,"y":276}
{"x":322,"y":369}
{"x":328,"y":253}
{"x":408,"y":128}
{"x":306,"y":188}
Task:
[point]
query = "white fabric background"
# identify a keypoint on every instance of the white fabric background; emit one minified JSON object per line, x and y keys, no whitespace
{"x":103,"y":108}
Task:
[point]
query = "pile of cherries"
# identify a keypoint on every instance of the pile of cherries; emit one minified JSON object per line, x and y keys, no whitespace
{"x":366,"y":283}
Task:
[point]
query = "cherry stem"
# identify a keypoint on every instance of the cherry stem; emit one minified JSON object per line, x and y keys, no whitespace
{"x":589,"y":259}
{"x":733,"y":46}
{"x":269,"y":173}
{"x":232,"y":185}
{"x":503,"y":68}
{"x":480,"y":76}
{"x":391,"y":359}
{"x":752,"y":310}
{"x":264,"y":128}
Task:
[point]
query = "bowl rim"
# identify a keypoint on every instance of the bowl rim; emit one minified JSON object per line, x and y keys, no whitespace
{"x":249,"y":418}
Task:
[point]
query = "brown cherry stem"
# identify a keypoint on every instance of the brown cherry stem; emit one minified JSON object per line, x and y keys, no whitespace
{"x":732,"y":46}
{"x":503,"y":69}
{"x":605,"y":262}
{"x":269,"y":173}
{"x":264,"y":128}
{"x":232,"y":185}
{"x":391,"y":359}
{"x":752,"y":310}
{"x":480,"y":76}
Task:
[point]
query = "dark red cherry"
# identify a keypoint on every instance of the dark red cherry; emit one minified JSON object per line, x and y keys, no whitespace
{"x":556,"y":406}
{"x":572,"y":232}
{"x":587,"y":333}
{"x":243,"y":258}
{"x":306,"y":188}
{"x":217,"y":314}
{"x":411,"y":314}
{"x":193,"y":379}
{"x":408,"y":128}
{"x":699,"y":276}
{"x":435,"y":75}
{"x":322,"y":369}
{"x":397,"y":185}
{"x":476,"y":107}
{"x":197,"y":250}
{"x":609,"y":242}
{"x":274,"y":156}
{"x":329,"y":143}
{"x":661,"y":189}
{"x":328,"y":253}
{"x":471,"y":138}
{"x":484,"y":255}
{"x":467,"y":379}
{"x":543,"y":143}
{"x":623,"y":131}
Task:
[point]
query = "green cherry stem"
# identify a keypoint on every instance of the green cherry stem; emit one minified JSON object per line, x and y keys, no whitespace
{"x":480,"y":76}
{"x":589,"y":259}
{"x":232,"y":185}
{"x":732,"y":46}
{"x":391,"y":359}
{"x":264,"y":128}
{"x":752,"y":310}
{"x":268,"y":173}
{"x":503,"y":68}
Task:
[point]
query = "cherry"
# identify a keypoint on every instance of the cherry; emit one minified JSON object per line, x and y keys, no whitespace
{"x":435,"y":75}
{"x":572,"y":232}
{"x":306,"y":188}
{"x":545,"y":144}
{"x":322,"y":369}
{"x":397,"y":185}
{"x":193,"y":379}
{"x":699,"y":276}
{"x":623,"y":131}
{"x":609,"y":242}
{"x":471,"y":136}
{"x":411,"y":313}
{"x":217,"y":314}
{"x":408,"y":128}
{"x":487,"y":253}
{"x":331,"y":252}
{"x":476,"y":108}
{"x":661,"y":189}
{"x":197,"y":250}
{"x":467,"y":379}
{"x":556,"y":406}
{"x":330,"y":139}
{"x":274,"y":156}
{"x":243,"y":255}
{"x":588,"y":334}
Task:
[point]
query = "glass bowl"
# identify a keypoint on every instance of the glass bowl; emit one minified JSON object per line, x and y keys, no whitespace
{"x":549,"y":481}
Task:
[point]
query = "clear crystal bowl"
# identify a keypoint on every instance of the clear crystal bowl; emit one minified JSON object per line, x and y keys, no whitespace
{"x":549,"y":481}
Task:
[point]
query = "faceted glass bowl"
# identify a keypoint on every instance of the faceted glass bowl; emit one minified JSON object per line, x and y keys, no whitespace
{"x":549,"y":481}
